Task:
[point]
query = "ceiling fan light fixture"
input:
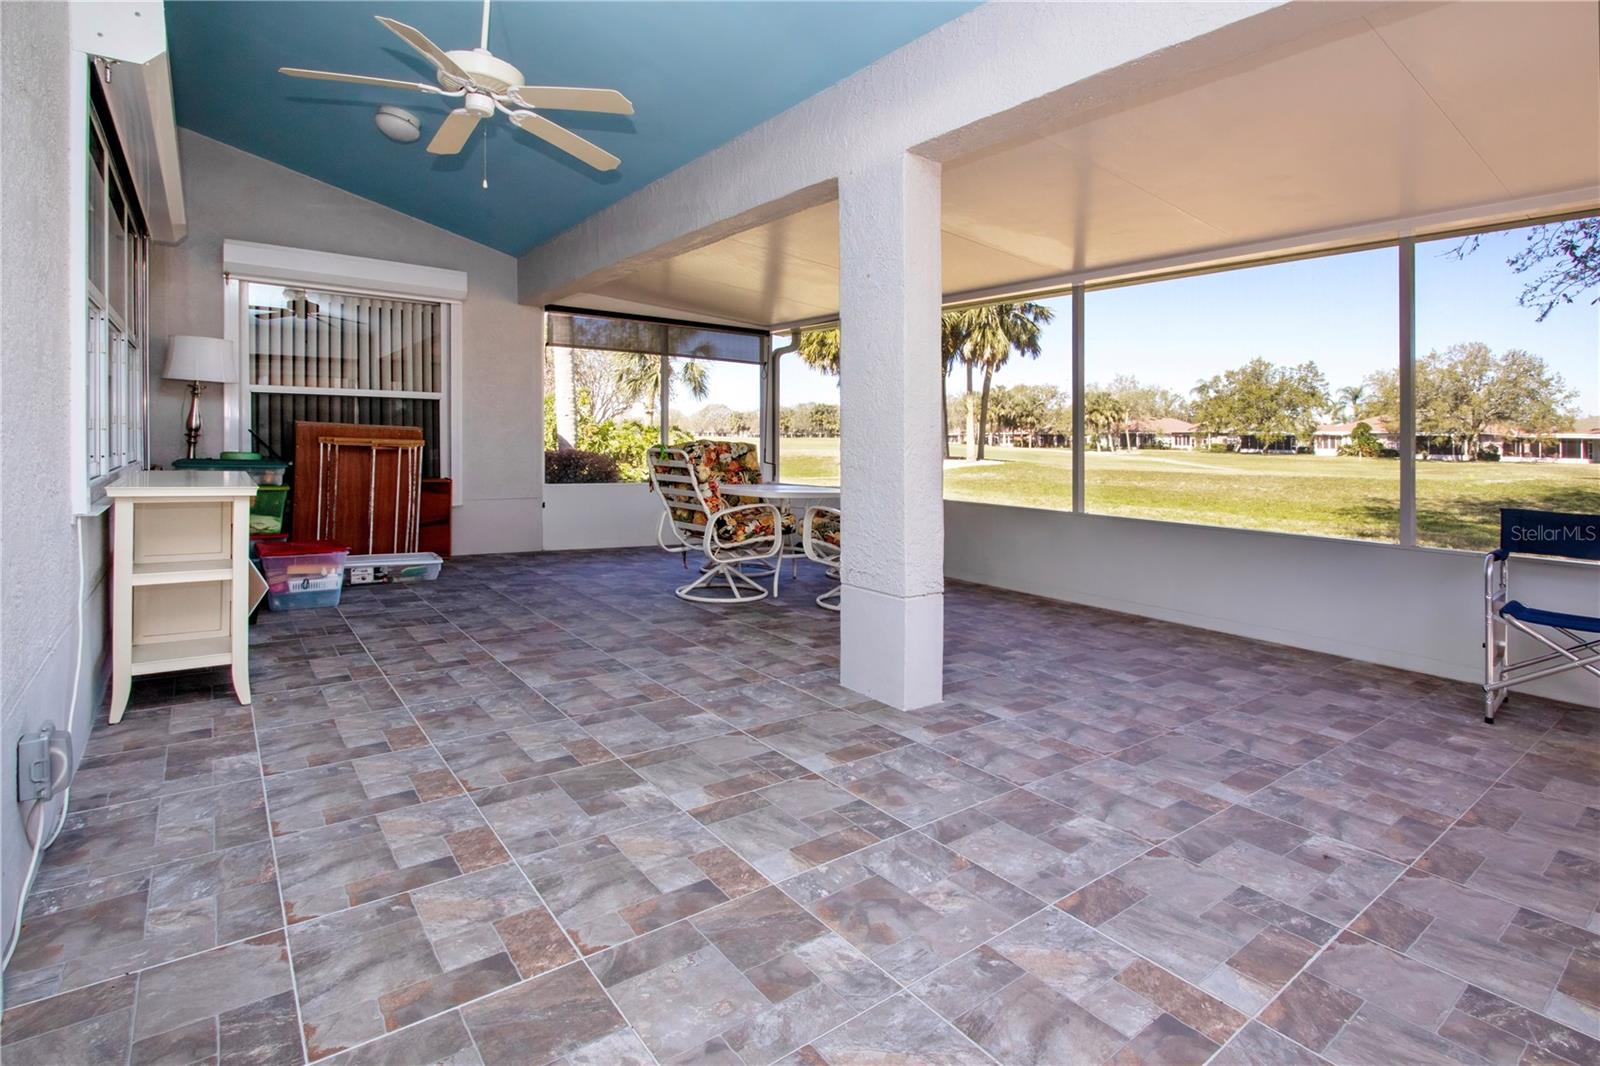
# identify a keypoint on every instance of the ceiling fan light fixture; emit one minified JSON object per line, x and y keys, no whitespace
{"x":398,"y":124}
{"x":485,"y":85}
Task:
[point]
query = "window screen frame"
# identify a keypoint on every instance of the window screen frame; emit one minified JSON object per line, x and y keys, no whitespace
{"x":239,"y":399}
{"x":664,"y":350}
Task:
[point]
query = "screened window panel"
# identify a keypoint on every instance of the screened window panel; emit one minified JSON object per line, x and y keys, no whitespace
{"x":372,"y":360}
{"x":713,"y":344}
{"x":113,"y":401}
{"x":274,"y":414}
{"x":567,"y":329}
{"x":605,"y":333}
{"x":116,"y":266}
{"x":97,"y":212}
{"x":307,"y":339}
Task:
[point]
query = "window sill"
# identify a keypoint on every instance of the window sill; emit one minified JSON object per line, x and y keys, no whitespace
{"x":96,"y":501}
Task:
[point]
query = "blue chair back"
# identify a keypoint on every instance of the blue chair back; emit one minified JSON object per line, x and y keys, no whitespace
{"x":1557,"y":533}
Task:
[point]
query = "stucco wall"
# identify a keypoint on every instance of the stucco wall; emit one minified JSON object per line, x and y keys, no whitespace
{"x":38,"y":568}
{"x":1414,"y":608}
{"x":231,"y":194}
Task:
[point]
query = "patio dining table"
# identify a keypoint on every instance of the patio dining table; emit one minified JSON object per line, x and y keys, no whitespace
{"x":780,"y":493}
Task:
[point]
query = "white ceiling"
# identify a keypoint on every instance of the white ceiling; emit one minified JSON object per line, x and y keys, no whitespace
{"x":1391,"y":116}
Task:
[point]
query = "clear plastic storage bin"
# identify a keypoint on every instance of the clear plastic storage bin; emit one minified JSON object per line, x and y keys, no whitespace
{"x":384,"y":569}
{"x":302,"y":574}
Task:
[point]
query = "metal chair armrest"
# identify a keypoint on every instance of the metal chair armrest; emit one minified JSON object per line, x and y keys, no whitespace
{"x":714,"y":542}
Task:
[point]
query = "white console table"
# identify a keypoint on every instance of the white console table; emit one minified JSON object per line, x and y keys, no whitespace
{"x":182,"y":584}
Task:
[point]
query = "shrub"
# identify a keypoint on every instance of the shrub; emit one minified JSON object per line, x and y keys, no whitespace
{"x":624,"y":441}
{"x":573,"y":466}
{"x":1155,"y":446}
{"x":1365,"y":443}
{"x":1219,"y":446}
{"x":1488,"y":455}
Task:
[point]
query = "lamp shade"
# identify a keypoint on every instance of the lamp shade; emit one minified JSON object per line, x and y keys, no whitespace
{"x":201,"y":359}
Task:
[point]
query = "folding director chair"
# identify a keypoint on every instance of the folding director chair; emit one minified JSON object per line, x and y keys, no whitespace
{"x":1573,"y":640}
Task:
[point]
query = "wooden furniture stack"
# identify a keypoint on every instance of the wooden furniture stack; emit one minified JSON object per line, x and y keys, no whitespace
{"x":182,"y":582}
{"x":358,"y":485}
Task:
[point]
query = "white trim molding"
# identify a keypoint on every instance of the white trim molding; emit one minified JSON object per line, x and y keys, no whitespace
{"x":302,"y":266}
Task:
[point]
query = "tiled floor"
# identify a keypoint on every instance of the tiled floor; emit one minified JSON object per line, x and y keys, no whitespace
{"x":541,"y":811}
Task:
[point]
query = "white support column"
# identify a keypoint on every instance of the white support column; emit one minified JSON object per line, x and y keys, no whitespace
{"x":1077,"y":399}
{"x":892,"y":626}
{"x":1408,"y":392}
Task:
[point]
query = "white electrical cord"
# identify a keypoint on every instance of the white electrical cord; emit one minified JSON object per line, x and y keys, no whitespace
{"x":38,"y":843}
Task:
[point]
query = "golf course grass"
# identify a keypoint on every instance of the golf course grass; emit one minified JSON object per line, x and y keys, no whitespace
{"x":1458,"y":504}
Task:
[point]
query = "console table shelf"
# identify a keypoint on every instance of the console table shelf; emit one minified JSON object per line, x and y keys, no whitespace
{"x":181,"y":586}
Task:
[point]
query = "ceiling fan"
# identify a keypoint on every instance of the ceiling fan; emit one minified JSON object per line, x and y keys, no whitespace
{"x":485,"y":84}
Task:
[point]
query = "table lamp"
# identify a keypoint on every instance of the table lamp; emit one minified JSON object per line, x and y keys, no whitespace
{"x":199,"y":360}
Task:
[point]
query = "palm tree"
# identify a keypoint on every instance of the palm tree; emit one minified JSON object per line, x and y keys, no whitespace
{"x":990,"y":334}
{"x":1351,"y":396}
{"x":952,"y":338}
{"x":819,"y":349}
{"x":1103,"y":412}
{"x":640,"y":377}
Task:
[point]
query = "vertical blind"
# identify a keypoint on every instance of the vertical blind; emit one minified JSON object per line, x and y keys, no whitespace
{"x":340,"y":357}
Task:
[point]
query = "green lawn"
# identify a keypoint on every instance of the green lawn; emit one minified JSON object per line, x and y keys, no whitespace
{"x":1458,"y":504}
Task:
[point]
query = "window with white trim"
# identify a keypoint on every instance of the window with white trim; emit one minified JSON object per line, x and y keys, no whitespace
{"x":116,"y":311}
{"x":324,"y":355}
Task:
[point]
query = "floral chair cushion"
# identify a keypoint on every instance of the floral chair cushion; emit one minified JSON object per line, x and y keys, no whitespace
{"x":825,"y":527}
{"x":724,"y":462}
{"x":719,"y":463}
{"x":737,"y":527}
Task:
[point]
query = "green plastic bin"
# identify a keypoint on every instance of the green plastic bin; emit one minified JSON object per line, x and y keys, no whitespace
{"x":264,"y":471}
{"x":267,"y":511}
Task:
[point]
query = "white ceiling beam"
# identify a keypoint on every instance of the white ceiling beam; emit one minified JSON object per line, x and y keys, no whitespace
{"x":980,"y":79}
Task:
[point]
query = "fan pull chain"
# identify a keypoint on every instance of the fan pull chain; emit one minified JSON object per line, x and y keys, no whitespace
{"x":486,"y":157}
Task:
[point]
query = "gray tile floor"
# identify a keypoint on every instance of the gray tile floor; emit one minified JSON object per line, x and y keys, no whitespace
{"x":541,"y":811}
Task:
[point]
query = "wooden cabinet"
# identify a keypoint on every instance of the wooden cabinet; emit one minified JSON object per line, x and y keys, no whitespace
{"x":358,"y":485}
{"x":182,"y":584}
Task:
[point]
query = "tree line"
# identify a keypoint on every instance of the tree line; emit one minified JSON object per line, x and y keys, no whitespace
{"x":1461,"y":392}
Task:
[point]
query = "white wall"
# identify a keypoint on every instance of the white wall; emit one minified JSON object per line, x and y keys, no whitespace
{"x":38,"y":569}
{"x":1414,"y":608}
{"x":231,"y":194}
{"x":600,"y":516}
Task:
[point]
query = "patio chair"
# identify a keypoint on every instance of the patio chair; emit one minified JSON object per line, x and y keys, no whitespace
{"x":730,"y":536}
{"x":713,"y":463}
{"x":1548,"y":533}
{"x":722,"y":466}
{"x":822,"y":546}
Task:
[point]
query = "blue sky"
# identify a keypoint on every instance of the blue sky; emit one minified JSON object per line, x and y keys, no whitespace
{"x":1340,"y":311}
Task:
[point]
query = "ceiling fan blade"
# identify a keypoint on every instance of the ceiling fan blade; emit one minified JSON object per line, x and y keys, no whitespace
{"x":433,"y":52}
{"x":359,"y":79}
{"x":453,"y":132}
{"x":565,"y":140}
{"x":562,"y":98}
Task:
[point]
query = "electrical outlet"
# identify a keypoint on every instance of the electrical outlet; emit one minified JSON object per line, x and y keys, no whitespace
{"x":44,"y":763}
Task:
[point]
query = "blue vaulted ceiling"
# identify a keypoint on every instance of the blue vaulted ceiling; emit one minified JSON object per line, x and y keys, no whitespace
{"x":698,"y":73}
